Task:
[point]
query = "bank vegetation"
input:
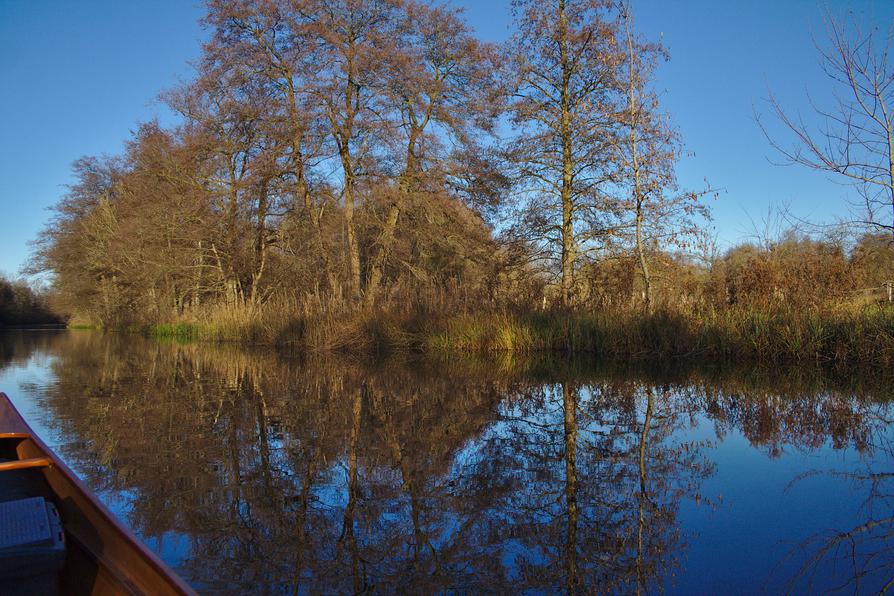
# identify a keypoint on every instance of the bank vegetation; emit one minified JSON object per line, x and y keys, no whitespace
{"x":352,"y":175}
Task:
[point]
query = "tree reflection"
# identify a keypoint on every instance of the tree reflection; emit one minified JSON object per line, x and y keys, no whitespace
{"x":259,"y":472}
{"x":605,"y":517}
{"x":862,"y":552}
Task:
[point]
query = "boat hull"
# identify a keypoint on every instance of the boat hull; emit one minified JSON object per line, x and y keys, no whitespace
{"x":103,"y":557}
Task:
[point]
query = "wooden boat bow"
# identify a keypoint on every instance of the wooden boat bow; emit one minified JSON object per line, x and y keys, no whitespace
{"x":103,"y":556}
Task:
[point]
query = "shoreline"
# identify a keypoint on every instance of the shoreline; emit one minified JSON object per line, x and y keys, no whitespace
{"x":784,"y":335}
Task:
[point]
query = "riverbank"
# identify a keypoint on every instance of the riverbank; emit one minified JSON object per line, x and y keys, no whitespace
{"x":864,"y":336}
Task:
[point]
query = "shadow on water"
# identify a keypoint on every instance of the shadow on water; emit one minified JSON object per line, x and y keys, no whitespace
{"x":265,"y":472}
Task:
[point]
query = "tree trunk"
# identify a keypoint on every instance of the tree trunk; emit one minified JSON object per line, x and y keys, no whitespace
{"x":411,"y":167}
{"x":569,"y":402}
{"x":568,"y":248}
{"x":199,"y":282}
{"x":641,"y":255}
{"x":302,"y":188}
{"x":890,"y":132}
{"x":638,"y":195}
{"x":232,"y":240}
{"x":386,"y":238}
{"x":260,"y":246}
{"x":350,"y":234}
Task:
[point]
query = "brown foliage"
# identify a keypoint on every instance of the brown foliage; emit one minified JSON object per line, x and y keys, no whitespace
{"x":338,"y":157}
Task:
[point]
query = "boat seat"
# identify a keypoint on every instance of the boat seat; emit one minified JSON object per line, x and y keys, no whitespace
{"x":32,"y":569}
{"x":21,"y":484}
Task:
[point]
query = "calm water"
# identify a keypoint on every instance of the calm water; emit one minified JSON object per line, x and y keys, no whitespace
{"x":261,"y":473}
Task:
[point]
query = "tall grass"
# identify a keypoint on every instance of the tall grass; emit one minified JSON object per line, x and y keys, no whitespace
{"x":864,"y":335}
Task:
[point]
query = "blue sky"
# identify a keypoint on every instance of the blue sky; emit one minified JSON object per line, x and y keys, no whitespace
{"x":77,"y":77}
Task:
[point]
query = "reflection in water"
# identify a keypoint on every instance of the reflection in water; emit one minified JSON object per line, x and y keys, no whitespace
{"x":254,"y":472}
{"x":863,"y":549}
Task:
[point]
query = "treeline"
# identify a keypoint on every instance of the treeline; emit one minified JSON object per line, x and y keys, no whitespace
{"x":363,"y":152}
{"x":354,"y":172}
{"x":20,"y":305}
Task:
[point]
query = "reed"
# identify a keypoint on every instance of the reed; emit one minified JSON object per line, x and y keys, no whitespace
{"x":839,"y":335}
{"x":783,"y":335}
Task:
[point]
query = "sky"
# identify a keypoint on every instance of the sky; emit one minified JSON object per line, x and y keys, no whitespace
{"x":77,"y":77}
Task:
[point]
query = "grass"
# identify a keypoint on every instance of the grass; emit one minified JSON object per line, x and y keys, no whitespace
{"x":178,"y":332}
{"x":864,"y":335}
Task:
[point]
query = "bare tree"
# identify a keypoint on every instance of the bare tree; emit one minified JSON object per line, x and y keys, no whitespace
{"x":271,"y":46}
{"x":636,"y":118}
{"x":854,"y":138}
{"x":647,"y":151}
{"x":440,"y":89}
{"x":355,"y":38}
{"x":564,"y":98}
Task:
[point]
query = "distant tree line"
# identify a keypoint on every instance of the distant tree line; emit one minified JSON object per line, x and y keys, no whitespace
{"x":339,"y":155}
{"x":20,"y":304}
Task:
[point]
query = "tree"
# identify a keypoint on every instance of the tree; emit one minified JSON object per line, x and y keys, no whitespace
{"x":166,"y":222}
{"x":564,"y":55}
{"x":854,"y":139}
{"x":647,"y":151}
{"x":270,"y":50}
{"x":354,"y":37}
{"x":72,"y":245}
{"x":642,"y":131}
{"x":23,"y":304}
{"x":440,"y":89}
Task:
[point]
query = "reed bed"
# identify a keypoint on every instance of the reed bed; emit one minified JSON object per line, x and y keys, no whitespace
{"x":843,"y":335}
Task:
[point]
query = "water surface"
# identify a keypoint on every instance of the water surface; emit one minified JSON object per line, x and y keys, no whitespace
{"x":260,"y":472}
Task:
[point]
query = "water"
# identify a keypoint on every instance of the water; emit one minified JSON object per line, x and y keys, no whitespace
{"x":258,"y":472}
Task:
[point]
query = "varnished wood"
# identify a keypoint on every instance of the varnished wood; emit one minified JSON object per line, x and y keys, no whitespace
{"x":104,"y":556}
{"x":23,"y":464}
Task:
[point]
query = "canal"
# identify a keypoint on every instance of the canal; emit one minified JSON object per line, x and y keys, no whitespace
{"x":257,"y":471}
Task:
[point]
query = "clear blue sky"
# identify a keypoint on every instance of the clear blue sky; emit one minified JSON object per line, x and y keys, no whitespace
{"x":77,"y":77}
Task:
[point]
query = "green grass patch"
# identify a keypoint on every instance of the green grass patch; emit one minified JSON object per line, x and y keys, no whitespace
{"x":179,"y":332}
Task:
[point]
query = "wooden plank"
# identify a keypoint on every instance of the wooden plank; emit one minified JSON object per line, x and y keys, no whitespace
{"x":22,"y":464}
